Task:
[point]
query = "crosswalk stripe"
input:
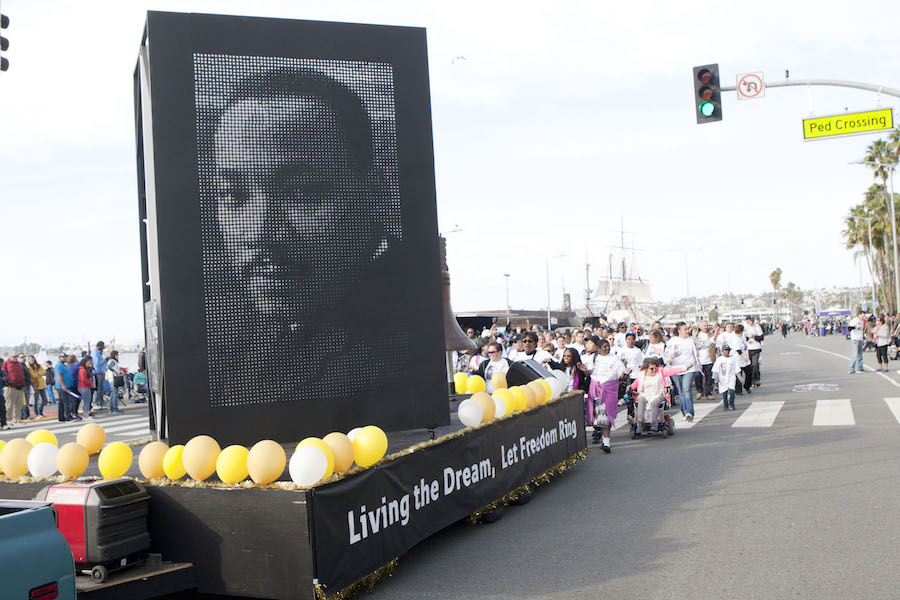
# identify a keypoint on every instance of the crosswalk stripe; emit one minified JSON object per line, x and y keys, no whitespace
{"x":134,"y":429}
{"x":701,"y":409}
{"x":69,"y":426}
{"x":121,"y":426}
{"x":759,"y":414}
{"x":894,"y":405}
{"x":833,"y":412}
{"x":621,"y":418}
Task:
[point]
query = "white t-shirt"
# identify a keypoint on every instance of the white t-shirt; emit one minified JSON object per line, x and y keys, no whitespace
{"x":633,"y":358}
{"x":856,"y":334}
{"x":607,"y":368}
{"x":650,"y":387}
{"x":539,"y":355}
{"x":750,"y":333}
{"x":588,"y":359}
{"x":578,"y":347}
{"x":619,"y":340}
{"x":725,"y":371}
{"x":492,"y":368}
{"x":657,"y":350}
{"x":682,"y":352}
{"x":703,"y":343}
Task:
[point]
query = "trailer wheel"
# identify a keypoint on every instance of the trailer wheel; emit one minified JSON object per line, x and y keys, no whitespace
{"x":99,"y":573}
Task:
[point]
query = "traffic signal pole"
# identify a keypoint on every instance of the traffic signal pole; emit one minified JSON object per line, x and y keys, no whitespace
{"x":880,"y":89}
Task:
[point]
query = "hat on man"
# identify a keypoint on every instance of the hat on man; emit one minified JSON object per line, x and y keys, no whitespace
{"x":726,"y":347}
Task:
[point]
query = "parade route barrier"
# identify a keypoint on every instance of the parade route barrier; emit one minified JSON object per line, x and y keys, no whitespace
{"x":321,"y":542}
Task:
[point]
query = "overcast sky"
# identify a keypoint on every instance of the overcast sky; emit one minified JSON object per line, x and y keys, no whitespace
{"x":562,"y":119}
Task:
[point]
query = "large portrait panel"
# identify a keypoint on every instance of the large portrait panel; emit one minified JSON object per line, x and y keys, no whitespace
{"x":303,"y":205}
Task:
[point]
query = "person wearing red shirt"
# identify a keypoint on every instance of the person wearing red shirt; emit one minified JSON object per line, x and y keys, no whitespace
{"x":86,"y":385}
{"x":15,"y":383}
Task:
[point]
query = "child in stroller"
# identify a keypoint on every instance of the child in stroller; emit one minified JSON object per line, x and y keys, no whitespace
{"x":652,"y":396}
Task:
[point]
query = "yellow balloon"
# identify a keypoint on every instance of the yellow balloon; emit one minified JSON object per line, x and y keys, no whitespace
{"x":172,"y":465}
{"x":326,"y":450}
{"x":72,"y":460}
{"x":14,"y":457}
{"x":150,"y":460}
{"x":2,"y":443}
{"x":539,"y":392}
{"x":487,"y":405}
{"x":266,"y":462}
{"x":115,"y":460}
{"x":507,"y":397}
{"x":531,"y":394}
{"x":231,"y":466}
{"x":342,"y":448}
{"x":459,"y":382}
{"x":499,"y":381}
{"x":39,"y":436}
{"x":199,"y":457}
{"x":475,"y":384}
{"x":369,"y":446}
{"x":92,"y":437}
{"x":520,"y":397}
{"x":548,"y":391}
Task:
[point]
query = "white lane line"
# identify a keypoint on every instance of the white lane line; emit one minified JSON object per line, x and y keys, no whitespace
{"x":894,"y":405}
{"x":759,"y":414}
{"x":123,"y":427}
{"x":70,"y":426}
{"x":701,"y":409}
{"x":847,"y":358}
{"x":133,"y":430}
{"x":833,"y":412}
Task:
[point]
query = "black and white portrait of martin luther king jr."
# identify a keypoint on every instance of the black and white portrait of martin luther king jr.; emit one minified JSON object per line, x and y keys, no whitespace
{"x":303,"y":252}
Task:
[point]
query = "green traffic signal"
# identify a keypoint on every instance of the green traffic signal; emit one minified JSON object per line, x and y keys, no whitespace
{"x":707,"y":93}
{"x":707,"y":109}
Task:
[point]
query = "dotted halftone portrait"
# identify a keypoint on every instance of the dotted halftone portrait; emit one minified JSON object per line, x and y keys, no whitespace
{"x":300,"y":212}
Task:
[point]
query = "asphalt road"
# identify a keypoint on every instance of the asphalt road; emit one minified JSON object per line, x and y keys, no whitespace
{"x":795,"y":506}
{"x":131,"y":425}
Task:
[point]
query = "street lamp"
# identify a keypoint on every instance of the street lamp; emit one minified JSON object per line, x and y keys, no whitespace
{"x":893,"y":225}
{"x":508,"y":309}
{"x":547,"y":263}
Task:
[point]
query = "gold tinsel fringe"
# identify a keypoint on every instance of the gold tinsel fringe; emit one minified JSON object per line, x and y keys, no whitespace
{"x":366,"y":584}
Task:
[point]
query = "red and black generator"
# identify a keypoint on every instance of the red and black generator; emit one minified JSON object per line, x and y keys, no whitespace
{"x":104,"y":521}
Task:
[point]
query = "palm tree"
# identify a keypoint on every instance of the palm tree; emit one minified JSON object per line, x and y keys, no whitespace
{"x":881,"y":157}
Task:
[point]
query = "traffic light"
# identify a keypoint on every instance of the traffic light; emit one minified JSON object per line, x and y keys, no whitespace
{"x":4,"y":43}
{"x":707,"y":93}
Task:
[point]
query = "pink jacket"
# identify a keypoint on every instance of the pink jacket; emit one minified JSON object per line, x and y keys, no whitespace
{"x":664,"y":372}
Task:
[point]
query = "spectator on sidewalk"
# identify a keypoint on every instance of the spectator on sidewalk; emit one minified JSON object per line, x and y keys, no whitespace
{"x":86,"y":385}
{"x":115,"y":379}
{"x":38,"y":385}
{"x":49,"y":380}
{"x":26,"y":391}
{"x":857,"y":333}
{"x":99,"y":373}
{"x":15,"y":383}
{"x":65,"y":385}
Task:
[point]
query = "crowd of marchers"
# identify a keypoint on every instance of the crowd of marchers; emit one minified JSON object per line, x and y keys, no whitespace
{"x":629,"y":365}
{"x":79,"y":386}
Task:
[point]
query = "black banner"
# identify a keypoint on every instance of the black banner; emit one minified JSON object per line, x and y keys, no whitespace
{"x":363,"y":522}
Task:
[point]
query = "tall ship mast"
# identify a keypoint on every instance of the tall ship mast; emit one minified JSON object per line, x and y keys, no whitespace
{"x":623,"y":295}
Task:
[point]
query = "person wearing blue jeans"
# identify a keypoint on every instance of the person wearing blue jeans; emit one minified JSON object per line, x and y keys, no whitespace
{"x":857,"y":341}
{"x":682,"y":352}
{"x":682,"y":385}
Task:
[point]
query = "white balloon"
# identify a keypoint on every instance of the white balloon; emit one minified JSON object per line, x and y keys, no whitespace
{"x":42,"y":460}
{"x":556,"y":388}
{"x":562,"y":377}
{"x":499,"y":407}
{"x":470,"y":413}
{"x":352,"y":433}
{"x":308,"y":466}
